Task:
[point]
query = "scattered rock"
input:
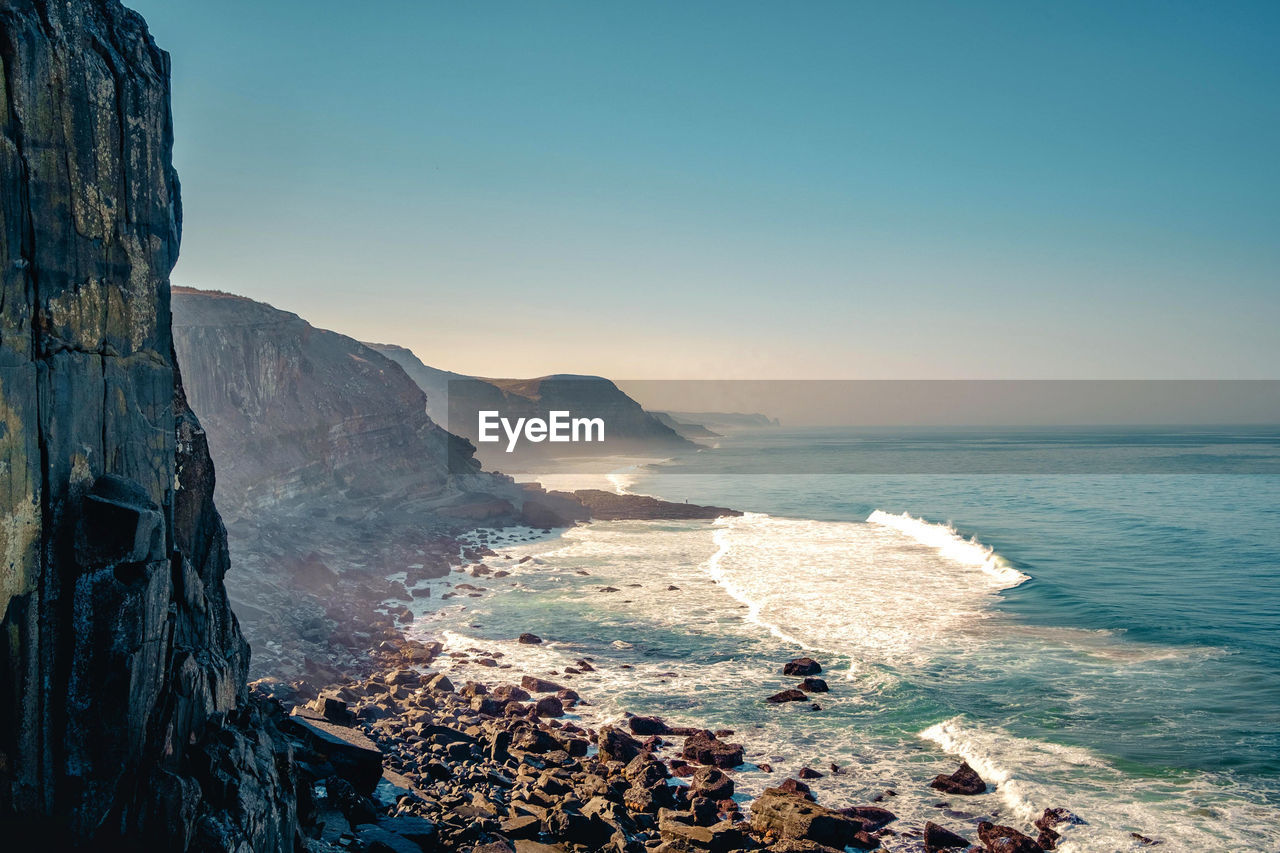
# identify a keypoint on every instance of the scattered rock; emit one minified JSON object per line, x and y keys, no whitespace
{"x":802,"y":666}
{"x":965,"y":781}
{"x":938,"y":838}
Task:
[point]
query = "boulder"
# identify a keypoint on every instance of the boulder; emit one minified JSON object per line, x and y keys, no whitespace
{"x":802,"y":666}
{"x":355,"y":758}
{"x":538,"y":685}
{"x":938,"y":838}
{"x":814,"y":685}
{"x":712,"y":783}
{"x":783,"y":815}
{"x":648,"y":726}
{"x":789,"y":695}
{"x":873,"y":817}
{"x":529,"y":639}
{"x":617,"y":745}
{"x":705,"y":748}
{"x":1005,"y":839}
{"x":965,"y":782}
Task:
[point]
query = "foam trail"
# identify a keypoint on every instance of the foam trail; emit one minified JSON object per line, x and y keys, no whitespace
{"x":948,"y":542}
{"x":716,"y":570}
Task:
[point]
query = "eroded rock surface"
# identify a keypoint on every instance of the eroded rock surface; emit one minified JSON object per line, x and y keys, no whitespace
{"x":124,"y":717}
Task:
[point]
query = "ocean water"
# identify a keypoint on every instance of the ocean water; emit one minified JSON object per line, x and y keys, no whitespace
{"x":1108,"y":643}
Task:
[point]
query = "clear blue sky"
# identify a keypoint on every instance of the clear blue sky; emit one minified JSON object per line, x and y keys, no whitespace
{"x":744,"y":189}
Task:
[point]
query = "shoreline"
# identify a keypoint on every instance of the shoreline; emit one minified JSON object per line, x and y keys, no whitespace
{"x":550,"y":774}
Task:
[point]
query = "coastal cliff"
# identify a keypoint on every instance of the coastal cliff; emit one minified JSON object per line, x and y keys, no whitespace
{"x":125,"y":721}
{"x":334,"y":478}
{"x":456,"y":400}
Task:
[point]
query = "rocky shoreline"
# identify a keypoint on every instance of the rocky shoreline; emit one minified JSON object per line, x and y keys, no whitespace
{"x":408,"y":760}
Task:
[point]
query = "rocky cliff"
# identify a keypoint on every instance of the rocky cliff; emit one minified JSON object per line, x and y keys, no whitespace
{"x":300,"y":414}
{"x":629,"y":429}
{"x":124,"y":717}
{"x":334,"y":476}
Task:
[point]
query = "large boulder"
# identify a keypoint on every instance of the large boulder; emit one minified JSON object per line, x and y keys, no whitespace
{"x":965,"y":781}
{"x":781,"y":814}
{"x":1005,"y":839}
{"x":617,"y":745}
{"x":939,"y":838}
{"x":802,"y":666}
{"x":706,"y":748}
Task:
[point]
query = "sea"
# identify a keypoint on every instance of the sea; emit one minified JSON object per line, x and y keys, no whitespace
{"x":1089,"y":618}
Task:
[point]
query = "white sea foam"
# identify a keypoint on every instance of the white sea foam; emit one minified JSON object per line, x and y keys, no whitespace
{"x":950,"y":544}
{"x":899,"y":599}
{"x":857,"y":589}
{"x":1187,"y":812}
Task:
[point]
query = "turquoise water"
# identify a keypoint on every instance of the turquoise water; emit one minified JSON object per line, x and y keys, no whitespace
{"x":1108,"y":643}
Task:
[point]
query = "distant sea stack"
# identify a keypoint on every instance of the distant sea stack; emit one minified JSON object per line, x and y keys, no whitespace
{"x":125,"y":721}
{"x":629,"y":429}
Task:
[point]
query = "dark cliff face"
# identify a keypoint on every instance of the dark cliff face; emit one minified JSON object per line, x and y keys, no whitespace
{"x":124,"y":719}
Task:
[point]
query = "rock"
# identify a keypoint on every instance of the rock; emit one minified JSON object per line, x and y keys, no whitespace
{"x":526,"y":826}
{"x":1051,"y":818}
{"x":610,"y":506}
{"x":375,"y":839}
{"x":712,"y":783}
{"x":873,"y":817}
{"x":356,"y":758}
{"x":549,"y":706}
{"x":616,"y":745}
{"x":791,"y":786}
{"x":538,"y":685}
{"x":529,"y":639}
{"x":809,"y":773}
{"x":648,"y":726}
{"x":789,"y":695}
{"x":802,"y":666}
{"x":965,"y":781}
{"x":1005,"y":839}
{"x":786,"y":815}
{"x":705,"y":748}
{"x":938,"y":838}
{"x":814,"y":685}
{"x":127,"y":720}
{"x":440,"y":683}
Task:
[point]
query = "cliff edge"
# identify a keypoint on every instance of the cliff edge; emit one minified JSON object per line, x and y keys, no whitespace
{"x":124,"y":718}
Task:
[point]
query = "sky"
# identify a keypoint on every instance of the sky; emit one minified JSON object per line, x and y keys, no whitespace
{"x":744,"y":190}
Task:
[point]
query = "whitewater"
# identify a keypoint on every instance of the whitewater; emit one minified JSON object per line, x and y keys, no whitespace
{"x":913,"y":618}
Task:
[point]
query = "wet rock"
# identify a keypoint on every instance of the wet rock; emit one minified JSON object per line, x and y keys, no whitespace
{"x":1005,"y":839}
{"x":549,"y":706}
{"x":705,"y":748}
{"x":809,"y":773}
{"x":938,"y":838}
{"x":965,"y":781}
{"x":538,"y":685}
{"x":789,"y":695}
{"x":616,"y":745}
{"x":648,"y":726}
{"x":529,"y":639}
{"x":814,"y":685}
{"x":791,"y":786}
{"x":802,"y":666}
{"x":873,"y":817}
{"x":784,"y":815}
{"x":711,"y":782}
